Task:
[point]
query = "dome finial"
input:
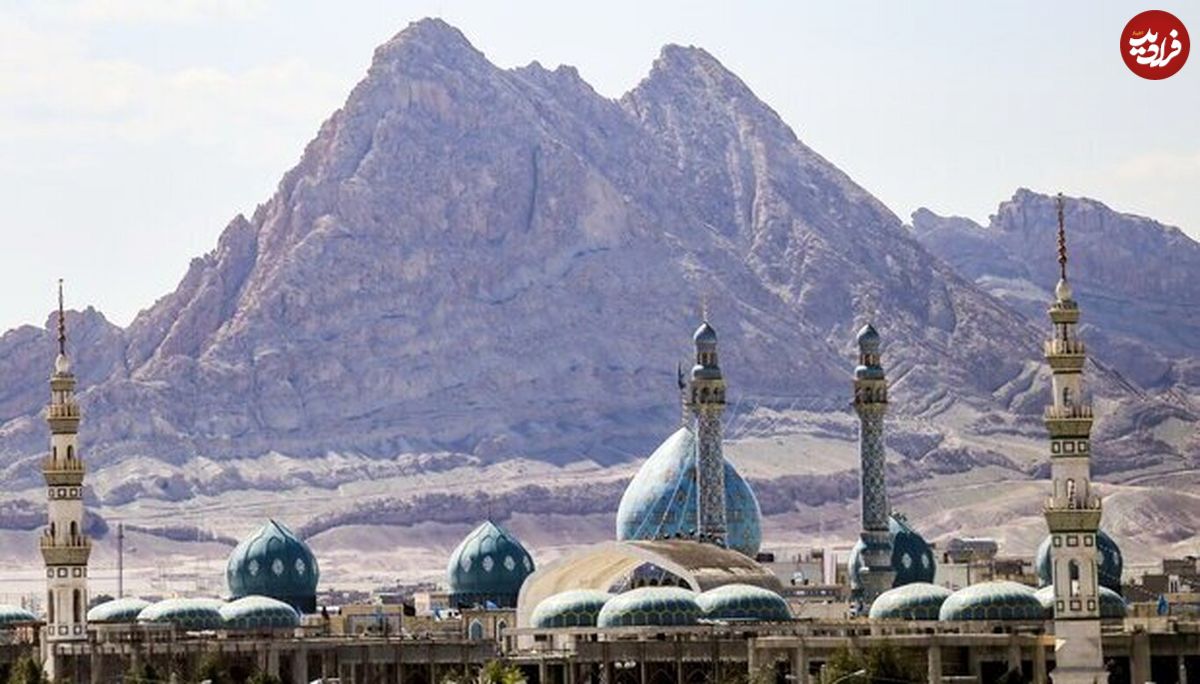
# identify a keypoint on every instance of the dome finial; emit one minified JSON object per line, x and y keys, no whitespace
{"x":1062,"y":240}
{"x":62,"y":322}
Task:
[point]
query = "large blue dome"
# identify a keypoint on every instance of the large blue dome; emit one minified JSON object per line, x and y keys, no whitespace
{"x":274,"y":562}
{"x":1109,"y":563}
{"x":743,"y":602}
{"x":916,"y":601}
{"x":489,"y":566}
{"x":660,"y":501}
{"x":996,"y":600}
{"x":912,"y":557}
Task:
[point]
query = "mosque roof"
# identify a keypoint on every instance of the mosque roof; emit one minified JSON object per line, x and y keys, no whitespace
{"x":912,"y":557}
{"x":274,"y":562}
{"x":490,"y":564}
{"x":650,"y":606}
{"x":575,"y":608}
{"x":743,"y":602}
{"x":125,"y":609}
{"x":660,"y":502}
{"x":259,"y":612}
{"x":185,"y":613}
{"x":1109,"y":562}
{"x":915,"y":601}
{"x":12,"y":615}
{"x":996,"y":600}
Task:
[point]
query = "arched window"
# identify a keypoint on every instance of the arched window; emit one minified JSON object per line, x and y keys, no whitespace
{"x":475,"y":631}
{"x":500,"y":627}
{"x":70,"y":452}
{"x":1066,"y":396}
{"x":74,"y":530}
{"x":52,"y":529}
{"x":49,"y":607}
{"x":77,"y":606}
{"x":1073,"y":573}
{"x":1071,"y":492}
{"x":54,"y":452}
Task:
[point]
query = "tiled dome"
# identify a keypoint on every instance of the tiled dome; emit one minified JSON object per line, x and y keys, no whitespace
{"x":259,"y":612}
{"x":489,"y":565}
{"x":650,"y":606}
{"x":192,"y":614}
{"x":274,"y":562}
{"x":14,"y":615}
{"x":998,"y":600}
{"x":912,"y":557}
{"x":1109,"y":563}
{"x":743,"y":602}
{"x":577,"y":608}
{"x":916,"y":601}
{"x":124,"y":609}
{"x":660,"y":501}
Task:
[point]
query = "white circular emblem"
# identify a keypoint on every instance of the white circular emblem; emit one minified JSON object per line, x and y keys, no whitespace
{"x":300,"y":567}
{"x":509,"y":563}
{"x":253,"y":567}
{"x":488,"y":563}
{"x":925,"y":561}
{"x":277,"y":567}
{"x":906,"y":560}
{"x":465,"y":563}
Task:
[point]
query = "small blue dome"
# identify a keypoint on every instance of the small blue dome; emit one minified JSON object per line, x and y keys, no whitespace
{"x":650,"y":607}
{"x":124,"y":609}
{"x":868,"y":339}
{"x":274,"y":562}
{"x":192,"y":614}
{"x":578,"y":608}
{"x":916,"y":601}
{"x":912,"y":557}
{"x":705,"y":335}
{"x":1112,"y":606}
{"x":14,"y":615}
{"x":259,"y":612}
{"x":1109,"y":563}
{"x":998,"y":600}
{"x":489,"y":565}
{"x":660,"y":501}
{"x":744,"y":602}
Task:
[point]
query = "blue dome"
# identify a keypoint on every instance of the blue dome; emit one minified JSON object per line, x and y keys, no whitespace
{"x":1112,"y":606}
{"x":192,"y":614}
{"x":490,"y":565}
{"x":998,"y":600}
{"x":743,"y":602}
{"x":705,"y":335}
{"x":274,"y":562}
{"x":868,"y":339}
{"x":259,"y":612}
{"x":1109,"y":563}
{"x":14,"y":615}
{"x":650,"y":607}
{"x":912,"y":557}
{"x":117,"y":610}
{"x":916,"y":601}
{"x":578,"y":608}
{"x":660,"y":501}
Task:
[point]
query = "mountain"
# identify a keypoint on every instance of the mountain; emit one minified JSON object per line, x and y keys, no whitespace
{"x":472,"y":292}
{"x":1136,"y":276}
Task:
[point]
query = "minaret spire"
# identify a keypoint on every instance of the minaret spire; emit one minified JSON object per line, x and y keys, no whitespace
{"x":1073,"y":509}
{"x":870,"y":402}
{"x":62,"y":321}
{"x":706,"y":399}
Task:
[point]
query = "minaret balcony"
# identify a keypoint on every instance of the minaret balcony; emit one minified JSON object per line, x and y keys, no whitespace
{"x":1069,"y":412}
{"x":72,"y":551}
{"x":69,"y":410}
{"x":62,"y":471}
{"x":1068,"y":421}
{"x":1081,"y":517}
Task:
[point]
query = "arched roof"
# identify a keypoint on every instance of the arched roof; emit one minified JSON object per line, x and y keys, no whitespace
{"x":13,"y":615}
{"x":916,"y":601}
{"x":125,"y":609}
{"x":996,"y":600}
{"x":744,"y":602}
{"x":577,"y":608}
{"x":701,"y":566}
{"x":259,"y":612}
{"x":185,"y":613}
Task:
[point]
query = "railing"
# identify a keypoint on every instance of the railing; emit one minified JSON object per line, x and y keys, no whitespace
{"x":77,"y":541}
{"x":1068,"y":412}
{"x":1064,"y":347}
{"x":70,"y":410}
{"x":52,"y":464}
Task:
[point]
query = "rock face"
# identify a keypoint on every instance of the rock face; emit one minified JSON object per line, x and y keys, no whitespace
{"x":478,"y":264}
{"x":1135,"y":276}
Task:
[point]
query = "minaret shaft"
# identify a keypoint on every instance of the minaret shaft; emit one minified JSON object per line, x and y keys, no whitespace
{"x":706,"y":399}
{"x":1073,"y":509}
{"x":870,"y":403}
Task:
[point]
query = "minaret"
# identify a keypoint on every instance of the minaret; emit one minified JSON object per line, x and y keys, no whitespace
{"x":1073,"y":510}
{"x":65,"y":548}
{"x":870,"y":402}
{"x":706,"y":398}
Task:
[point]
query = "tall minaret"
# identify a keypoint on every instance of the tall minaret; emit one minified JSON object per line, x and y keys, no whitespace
{"x":870,"y":402}
{"x":65,"y":548}
{"x":1073,"y":510}
{"x":706,"y":398}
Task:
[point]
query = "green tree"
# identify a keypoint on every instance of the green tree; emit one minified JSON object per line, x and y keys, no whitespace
{"x":26,"y":670}
{"x":213,"y":668}
{"x":261,"y":677}
{"x":500,"y":672}
{"x":882,"y":664}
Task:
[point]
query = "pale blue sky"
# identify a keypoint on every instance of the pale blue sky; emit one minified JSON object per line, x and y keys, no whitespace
{"x":131,"y":131}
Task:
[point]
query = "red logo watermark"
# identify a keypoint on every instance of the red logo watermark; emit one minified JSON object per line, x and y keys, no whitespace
{"x":1155,"y":45}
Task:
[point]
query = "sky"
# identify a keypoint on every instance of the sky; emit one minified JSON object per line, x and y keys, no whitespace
{"x":133,"y":131}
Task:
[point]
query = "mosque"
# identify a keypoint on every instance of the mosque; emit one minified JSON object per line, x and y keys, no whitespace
{"x":681,"y":594}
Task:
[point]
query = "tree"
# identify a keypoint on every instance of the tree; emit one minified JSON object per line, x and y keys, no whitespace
{"x":142,"y":673}
{"x":882,"y":664}
{"x":261,"y":677}
{"x":213,"y":668}
{"x":26,"y":670}
{"x":500,"y":672}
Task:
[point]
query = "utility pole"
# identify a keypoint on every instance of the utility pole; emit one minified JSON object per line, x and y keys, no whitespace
{"x":120,"y":560}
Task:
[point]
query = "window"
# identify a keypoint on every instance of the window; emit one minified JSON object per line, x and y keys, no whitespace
{"x":77,"y":606}
{"x":74,"y":530}
{"x":475,"y":631}
{"x":70,"y":452}
{"x":49,"y":607}
{"x":1067,"y":396}
{"x":1073,"y":573}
